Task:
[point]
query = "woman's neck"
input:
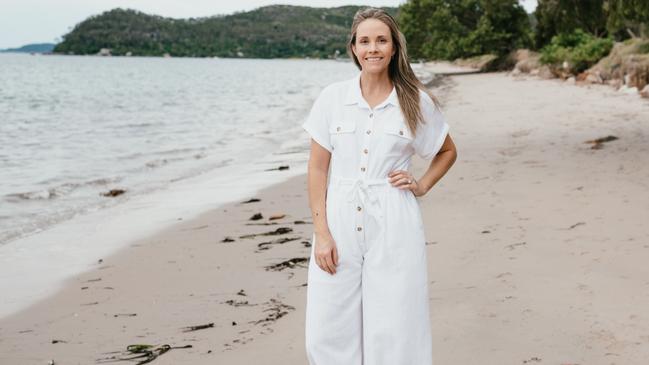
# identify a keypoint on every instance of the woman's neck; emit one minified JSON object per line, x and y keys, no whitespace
{"x":376,"y":84}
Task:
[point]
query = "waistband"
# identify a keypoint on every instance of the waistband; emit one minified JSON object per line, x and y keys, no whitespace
{"x":337,"y":180}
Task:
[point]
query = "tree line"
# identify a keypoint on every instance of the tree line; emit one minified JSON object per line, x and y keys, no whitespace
{"x":435,"y":29}
{"x":449,"y":29}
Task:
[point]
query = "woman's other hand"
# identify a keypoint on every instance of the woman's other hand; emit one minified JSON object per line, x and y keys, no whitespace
{"x":403,"y":180}
{"x":326,"y":253}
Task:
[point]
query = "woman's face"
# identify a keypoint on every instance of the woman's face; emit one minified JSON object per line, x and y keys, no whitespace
{"x":373,"y":46}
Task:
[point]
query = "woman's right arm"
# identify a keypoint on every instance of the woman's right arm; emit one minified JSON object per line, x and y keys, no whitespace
{"x":325,"y":252}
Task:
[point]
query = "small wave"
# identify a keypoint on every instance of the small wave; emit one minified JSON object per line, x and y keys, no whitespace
{"x":58,"y":191}
{"x":177,"y":150}
{"x":162,"y":153}
{"x":138,"y":125}
{"x":104,"y":181}
{"x":156,"y":163}
{"x":45,"y":194}
{"x":164,"y":161}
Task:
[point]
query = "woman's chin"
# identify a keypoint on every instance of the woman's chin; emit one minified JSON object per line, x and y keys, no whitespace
{"x":369,"y":68}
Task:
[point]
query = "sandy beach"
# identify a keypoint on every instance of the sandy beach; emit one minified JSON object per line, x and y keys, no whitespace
{"x":537,"y":249}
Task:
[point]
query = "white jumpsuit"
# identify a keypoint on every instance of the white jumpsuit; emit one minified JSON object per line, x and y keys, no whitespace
{"x":374,"y":309}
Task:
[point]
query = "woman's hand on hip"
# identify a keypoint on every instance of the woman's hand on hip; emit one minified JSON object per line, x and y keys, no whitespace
{"x":326,"y":253}
{"x":403,"y":180}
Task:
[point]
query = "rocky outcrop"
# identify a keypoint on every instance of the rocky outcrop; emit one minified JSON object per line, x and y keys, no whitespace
{"x":626,"y":66}
{"x":645,"y":92}
{"x":482,"y":63}
{"x":526,"y":61}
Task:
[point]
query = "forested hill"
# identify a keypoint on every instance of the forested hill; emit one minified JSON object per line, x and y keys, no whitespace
{"x":268,"y":32}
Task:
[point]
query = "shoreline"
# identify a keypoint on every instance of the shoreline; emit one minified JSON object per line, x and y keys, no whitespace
{"x":532,"y":239}
{"x":36,"y":265}
{"x":239,"y":307}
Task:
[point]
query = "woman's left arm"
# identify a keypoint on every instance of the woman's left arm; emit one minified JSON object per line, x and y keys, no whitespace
{"x":438,"y":167}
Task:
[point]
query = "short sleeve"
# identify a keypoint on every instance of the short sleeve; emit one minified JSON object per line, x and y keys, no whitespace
{"x":431,"y":135}
{"x":317,"y":123}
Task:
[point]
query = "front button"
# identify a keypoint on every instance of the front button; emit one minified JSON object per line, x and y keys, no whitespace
{"x":371,"y":115}
{"x":365,"y":151}
{"x":401,"y":133}
{"x":338,"y":129}
{"x":358,"y":208}
{"x":359,"y":228}
{"x":363,"y":169}
{"x":369,"y":131}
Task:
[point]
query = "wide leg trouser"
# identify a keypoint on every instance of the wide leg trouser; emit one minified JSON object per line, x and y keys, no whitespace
{"x":374,"y":310}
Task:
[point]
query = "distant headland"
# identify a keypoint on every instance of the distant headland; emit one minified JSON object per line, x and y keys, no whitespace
{"x":276,"y":31}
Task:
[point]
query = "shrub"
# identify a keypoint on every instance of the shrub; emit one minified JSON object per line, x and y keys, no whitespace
{"x":580,"y":49}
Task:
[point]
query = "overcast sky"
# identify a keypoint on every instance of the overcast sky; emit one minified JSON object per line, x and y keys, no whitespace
{"x":43,"y":21}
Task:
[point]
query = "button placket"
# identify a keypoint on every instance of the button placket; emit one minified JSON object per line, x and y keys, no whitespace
{"x":366,"y":143}
{"x":364,"y":166}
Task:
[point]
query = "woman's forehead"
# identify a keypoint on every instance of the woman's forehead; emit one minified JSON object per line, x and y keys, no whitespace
{"x":372,"y":28}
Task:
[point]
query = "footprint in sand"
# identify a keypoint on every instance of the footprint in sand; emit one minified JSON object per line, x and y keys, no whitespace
{"x":511,"y":151}
{"x":521,"y":133}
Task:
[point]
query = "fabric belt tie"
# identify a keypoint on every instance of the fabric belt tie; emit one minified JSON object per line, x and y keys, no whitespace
{"x":361,"y":192}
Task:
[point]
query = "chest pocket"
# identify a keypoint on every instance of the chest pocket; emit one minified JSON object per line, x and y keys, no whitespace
{"x":397,"y":137}
{"x":343,"y":135}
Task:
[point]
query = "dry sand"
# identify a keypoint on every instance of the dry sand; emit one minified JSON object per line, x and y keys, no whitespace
{"x":538,"y":251}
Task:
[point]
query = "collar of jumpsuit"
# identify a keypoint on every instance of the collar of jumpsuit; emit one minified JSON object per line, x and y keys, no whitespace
{"x":355,"y":95}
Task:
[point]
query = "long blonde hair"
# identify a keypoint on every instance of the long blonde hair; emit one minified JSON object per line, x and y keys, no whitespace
{"x":405,"y":82}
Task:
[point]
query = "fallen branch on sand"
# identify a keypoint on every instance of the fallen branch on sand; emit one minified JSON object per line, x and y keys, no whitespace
{"x":199,"y":327}
{"x":144,"y":353}
{"x":114,"y":192}
{"x":277,"y":310}
{"x":279,"y":241}
{"x":278,"y":231}
{"x":297,"y":261}
{"x":513,"y":245}
{"x":598,"y":143}
{"x":280,"y":168}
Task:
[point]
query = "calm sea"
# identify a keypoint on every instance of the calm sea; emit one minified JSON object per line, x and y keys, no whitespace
{"x":72,"y":128}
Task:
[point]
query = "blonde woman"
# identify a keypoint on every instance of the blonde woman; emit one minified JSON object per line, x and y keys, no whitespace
{"x":367,"y":295}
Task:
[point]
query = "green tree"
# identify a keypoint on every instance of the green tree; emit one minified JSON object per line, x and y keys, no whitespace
{"x":449,"y":29}
{"x":564,"y":16}
{"x":628,"y":18}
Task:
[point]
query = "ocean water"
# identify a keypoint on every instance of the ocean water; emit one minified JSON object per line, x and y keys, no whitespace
{"x":72,"y":128}
{"x":181,"y":136}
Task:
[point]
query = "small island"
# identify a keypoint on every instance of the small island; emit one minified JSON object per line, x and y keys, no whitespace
{"x":276,"y":31}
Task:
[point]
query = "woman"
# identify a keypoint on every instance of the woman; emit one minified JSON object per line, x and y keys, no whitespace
{"x":367,"y":296}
